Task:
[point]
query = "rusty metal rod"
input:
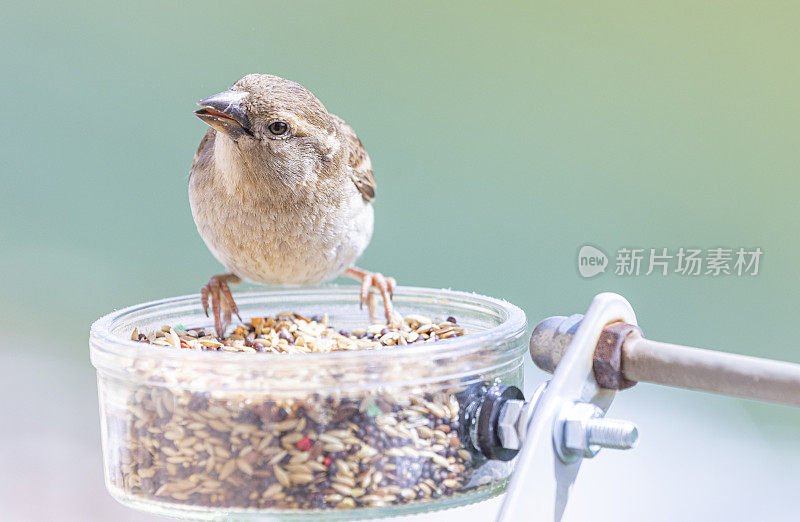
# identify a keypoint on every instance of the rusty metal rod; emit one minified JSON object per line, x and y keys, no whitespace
{"x":710,"y":370}
{"x":687,"y":367}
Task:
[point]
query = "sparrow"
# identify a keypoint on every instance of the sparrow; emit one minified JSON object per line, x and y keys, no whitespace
{"x":281,"y":192}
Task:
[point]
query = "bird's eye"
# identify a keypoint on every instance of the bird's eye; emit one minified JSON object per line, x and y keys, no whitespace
{"x":278,"y":128}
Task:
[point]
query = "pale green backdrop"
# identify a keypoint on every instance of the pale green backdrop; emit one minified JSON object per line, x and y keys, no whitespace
{"x":503,"y":136}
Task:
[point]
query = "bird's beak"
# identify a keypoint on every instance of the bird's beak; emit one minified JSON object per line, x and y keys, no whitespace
{"x":225,"y":112}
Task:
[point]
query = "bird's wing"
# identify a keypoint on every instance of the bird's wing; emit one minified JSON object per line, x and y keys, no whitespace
{"x":205,"y":151}
{"x":360,"y":165}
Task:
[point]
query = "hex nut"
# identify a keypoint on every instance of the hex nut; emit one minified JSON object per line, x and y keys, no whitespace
{"x":575,"y":429}
{"x":507,"y":424}
{"x":607,"y":360}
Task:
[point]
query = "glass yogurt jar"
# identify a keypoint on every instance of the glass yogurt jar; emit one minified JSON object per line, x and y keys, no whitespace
{"x":340,"y":435}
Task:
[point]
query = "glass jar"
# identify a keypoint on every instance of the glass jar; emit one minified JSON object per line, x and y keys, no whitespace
{"x":346,"y":434}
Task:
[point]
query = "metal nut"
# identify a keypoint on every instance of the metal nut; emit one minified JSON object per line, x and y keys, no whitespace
{"x":576,"y":427}
{"x":507,"y":430}
{"x":581,"y":430}
{"x":607,"y":364}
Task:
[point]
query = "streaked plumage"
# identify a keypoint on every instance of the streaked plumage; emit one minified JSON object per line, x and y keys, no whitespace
{"x":280,"y":208}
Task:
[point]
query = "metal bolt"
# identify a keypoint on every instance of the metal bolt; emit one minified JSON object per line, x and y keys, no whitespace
{"x":512,"y":423}
{"x":612,"y":433}
{"x":581,"y":431}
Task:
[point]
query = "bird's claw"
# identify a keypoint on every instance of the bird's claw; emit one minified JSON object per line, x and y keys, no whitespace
{"x":222,"y":302}
{"x":385,"y":285}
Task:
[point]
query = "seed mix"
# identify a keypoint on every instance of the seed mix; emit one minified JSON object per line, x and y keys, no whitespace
{"x":218,"y":450}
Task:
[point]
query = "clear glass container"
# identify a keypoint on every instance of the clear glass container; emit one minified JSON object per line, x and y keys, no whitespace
{"x":344,"y":435}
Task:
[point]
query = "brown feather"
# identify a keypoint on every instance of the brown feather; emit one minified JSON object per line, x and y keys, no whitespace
{"x":205,"y":152}
{"x":358,"y":160}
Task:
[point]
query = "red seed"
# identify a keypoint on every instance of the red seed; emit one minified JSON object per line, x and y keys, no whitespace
{"x":326,"y":462}
{"x":303,"y":444}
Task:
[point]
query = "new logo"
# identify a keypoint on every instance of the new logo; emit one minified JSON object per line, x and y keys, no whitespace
{"x":591,"y":261}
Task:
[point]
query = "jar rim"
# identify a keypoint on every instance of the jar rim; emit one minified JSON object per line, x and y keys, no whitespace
{"x":512,"y":325}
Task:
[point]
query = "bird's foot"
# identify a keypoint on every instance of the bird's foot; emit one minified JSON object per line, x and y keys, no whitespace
{"x":385,"y":286}
{"x":222,"y":303}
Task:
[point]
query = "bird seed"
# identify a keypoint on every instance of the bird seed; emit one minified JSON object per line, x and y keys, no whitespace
{"x":260,"y":451}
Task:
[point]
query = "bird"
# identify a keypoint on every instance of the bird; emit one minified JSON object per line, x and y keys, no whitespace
{"x":281,"y":193}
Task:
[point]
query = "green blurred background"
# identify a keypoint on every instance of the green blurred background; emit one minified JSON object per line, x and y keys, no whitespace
{"x":503,"y":137}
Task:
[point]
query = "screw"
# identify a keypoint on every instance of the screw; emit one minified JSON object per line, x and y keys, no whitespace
{"x":581,"y":431}
{"x":612,"y":433}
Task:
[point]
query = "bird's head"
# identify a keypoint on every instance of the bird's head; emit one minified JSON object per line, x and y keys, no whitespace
{"x":275,"y":119}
